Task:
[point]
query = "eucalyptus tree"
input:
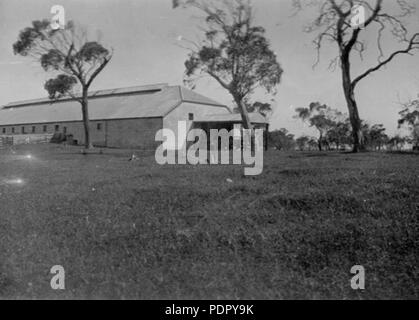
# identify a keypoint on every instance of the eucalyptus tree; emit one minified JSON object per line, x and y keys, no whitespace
{"x":233,"y":51}
{"x":321,"y":117}
{"x":345,"y":24}
{"x":70,"y":56}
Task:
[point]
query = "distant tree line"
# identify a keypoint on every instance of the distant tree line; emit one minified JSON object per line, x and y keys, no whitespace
{"x":334,"y":131}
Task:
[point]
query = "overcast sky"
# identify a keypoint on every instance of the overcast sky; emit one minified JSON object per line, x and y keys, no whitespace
{"x":145,"y":36}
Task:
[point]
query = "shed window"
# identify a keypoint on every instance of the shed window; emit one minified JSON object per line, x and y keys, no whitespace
{"x":99,"y":126}
{"x":13,"y":130}
{"x":33,"y":129}
{"x":4,"y":130}
{"x":57,"y":127}
{"x":191,"y":117}
{"x":45,"y":128}
{"x":23,"y":130}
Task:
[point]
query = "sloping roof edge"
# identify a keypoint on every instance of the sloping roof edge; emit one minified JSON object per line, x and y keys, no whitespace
{"x":205,"y":101}
{"x":254,"y":117}
{"x":92,"y":94}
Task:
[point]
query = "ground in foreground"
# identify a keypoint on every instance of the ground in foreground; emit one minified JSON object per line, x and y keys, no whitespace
{"x":135,"y":229}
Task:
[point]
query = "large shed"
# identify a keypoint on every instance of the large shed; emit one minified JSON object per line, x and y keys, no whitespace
{"x":119,"y":118}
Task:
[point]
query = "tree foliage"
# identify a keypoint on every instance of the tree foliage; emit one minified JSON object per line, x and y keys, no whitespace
{"x":397,"y":142}
{"x":306,"y":143}
{"x":409,"y":117}
{"x":339,"y":134}
{"x":265,"y":109}
{"x":282,"y":139}
{"x":375,"y":136}
{"x":321,"y":117}
{"x":60,"y":86}
{"x":302,"y":142}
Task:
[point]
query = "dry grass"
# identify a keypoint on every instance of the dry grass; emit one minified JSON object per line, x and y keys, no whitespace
{"x":137,"y":230}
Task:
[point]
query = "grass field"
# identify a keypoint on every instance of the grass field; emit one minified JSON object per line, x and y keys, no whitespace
{"x":127,"y":230}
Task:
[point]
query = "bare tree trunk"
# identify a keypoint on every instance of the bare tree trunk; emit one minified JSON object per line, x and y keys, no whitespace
{"x":356,"y":125}
{"x":319,"y":141}
{"x":86,"y":122}
{"x":244,"y":114}
{"x":354,"y":118}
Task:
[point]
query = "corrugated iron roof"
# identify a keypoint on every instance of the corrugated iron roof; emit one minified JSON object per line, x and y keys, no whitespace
{"x":233,"y":117}
{"x":94,"y":94}
{"x":137,"y":102}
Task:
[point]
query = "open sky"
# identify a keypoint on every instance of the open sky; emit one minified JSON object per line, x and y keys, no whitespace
{"x":145,"y":35}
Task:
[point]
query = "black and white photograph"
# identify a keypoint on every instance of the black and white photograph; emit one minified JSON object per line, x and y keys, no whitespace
{"x":209,"y":150}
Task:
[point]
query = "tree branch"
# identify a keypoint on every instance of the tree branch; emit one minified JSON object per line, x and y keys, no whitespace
{"x":98,"y":70}
{"x":413,"y":44}
{"x":355,"y":33}
{"x":216,"y":77}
